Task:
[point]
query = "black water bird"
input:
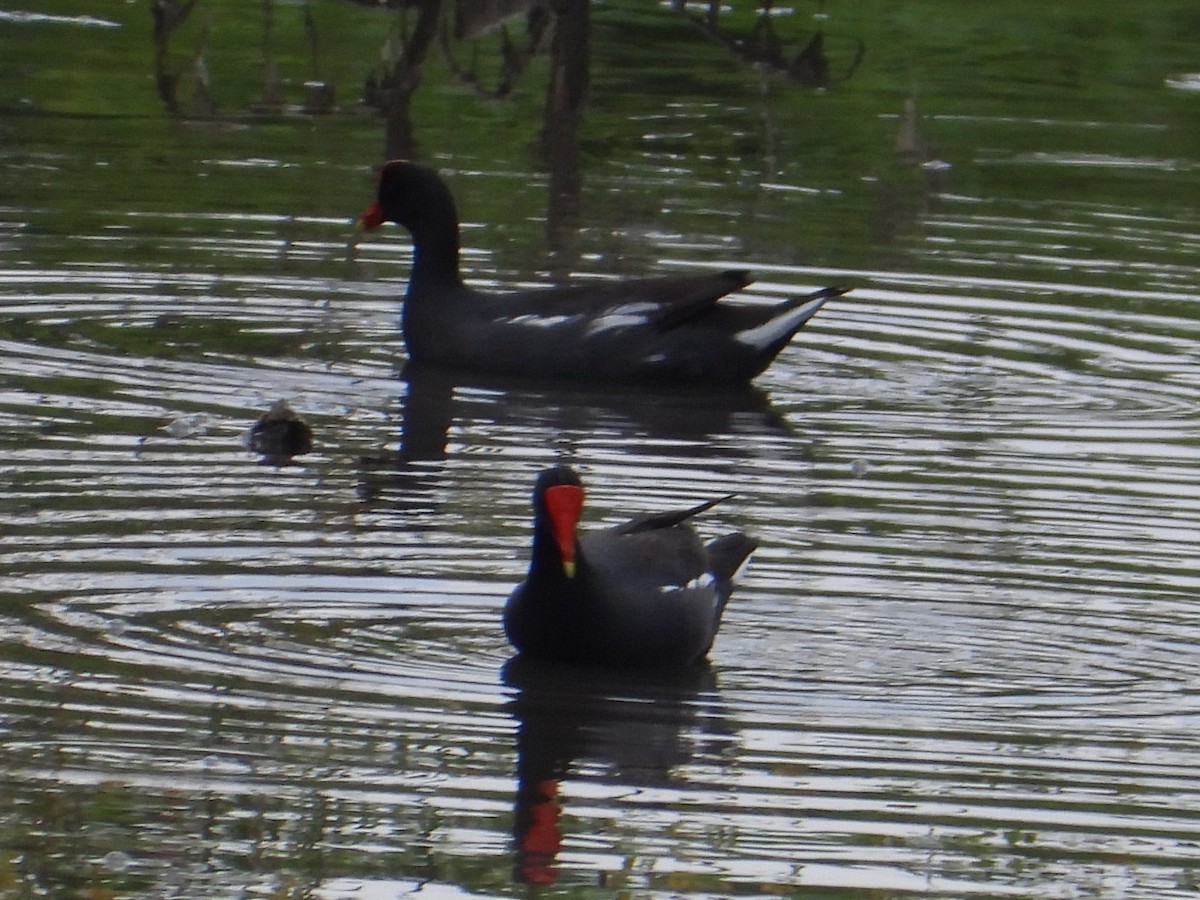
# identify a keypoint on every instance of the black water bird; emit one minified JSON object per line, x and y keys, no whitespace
{"x":648,"y":593}
{"x":279,"y":434}
{"x":665,"y":329}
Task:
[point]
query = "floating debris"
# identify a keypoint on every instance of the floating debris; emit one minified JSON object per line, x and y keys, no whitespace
{"x":190,"y":425}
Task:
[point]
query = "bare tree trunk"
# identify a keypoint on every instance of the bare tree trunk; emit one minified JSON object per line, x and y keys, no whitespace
{"x":168,"y":16}
{"x":566,"y":95}
{"x":406,"y":77}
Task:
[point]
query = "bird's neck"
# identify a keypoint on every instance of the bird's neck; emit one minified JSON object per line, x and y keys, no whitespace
{"x":547,"y":564}
{"x":435,"y":253}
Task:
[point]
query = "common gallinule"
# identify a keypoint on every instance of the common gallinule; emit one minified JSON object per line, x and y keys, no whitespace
{"x":646,"y":593}
{"x":280,"y":434}
{"x":662,"y":329}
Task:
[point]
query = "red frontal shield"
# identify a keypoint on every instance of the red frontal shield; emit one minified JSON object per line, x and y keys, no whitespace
{"x":564,"y":502}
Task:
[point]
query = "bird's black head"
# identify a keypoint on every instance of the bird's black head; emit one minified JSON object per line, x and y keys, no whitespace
{"x":410,"y":195}
{"x":556,"y":475}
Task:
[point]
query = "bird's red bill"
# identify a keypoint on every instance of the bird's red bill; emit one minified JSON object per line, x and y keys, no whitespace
{"x":372,"y":217}
{"x":564,"y":503}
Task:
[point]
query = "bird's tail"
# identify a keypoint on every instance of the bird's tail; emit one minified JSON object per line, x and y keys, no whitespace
{"x":726,"y":557}
{"x":825,"y":293}
{"x":728,"y":553}
{"x":786,"y":319}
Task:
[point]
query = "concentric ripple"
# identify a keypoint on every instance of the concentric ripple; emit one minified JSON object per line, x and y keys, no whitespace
{"x":961,"y":664}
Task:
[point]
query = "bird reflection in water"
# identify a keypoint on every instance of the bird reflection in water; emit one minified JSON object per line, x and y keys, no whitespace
{"x":638,"y":725}
{"x":717,"y":425}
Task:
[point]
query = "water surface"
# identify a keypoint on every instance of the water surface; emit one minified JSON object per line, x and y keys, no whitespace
{"x":962,"y":663}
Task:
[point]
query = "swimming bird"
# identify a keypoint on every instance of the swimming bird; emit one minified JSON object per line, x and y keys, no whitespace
{"x":279,"y":434}
{"x":647,"y":593}
{"x":663,"y":329}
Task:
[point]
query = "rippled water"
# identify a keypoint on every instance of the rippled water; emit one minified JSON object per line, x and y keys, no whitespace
{"x":963,"y":662}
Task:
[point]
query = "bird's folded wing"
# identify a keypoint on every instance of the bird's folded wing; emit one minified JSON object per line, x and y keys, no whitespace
{"x":683,"y":298}
{"x":663,"y":302}
{"x":656,"y":521}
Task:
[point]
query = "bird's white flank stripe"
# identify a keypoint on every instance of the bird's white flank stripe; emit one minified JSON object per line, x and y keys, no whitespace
{"x":623,"y":317}
{"x":702,"y":580}
{"x":532,"y":321}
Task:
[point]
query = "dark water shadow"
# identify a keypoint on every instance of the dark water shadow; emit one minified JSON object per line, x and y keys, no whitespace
{"x":638,"y":727}
{"x":690,"y":419}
